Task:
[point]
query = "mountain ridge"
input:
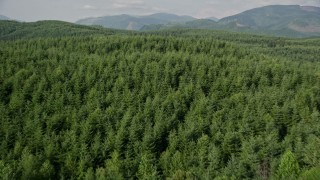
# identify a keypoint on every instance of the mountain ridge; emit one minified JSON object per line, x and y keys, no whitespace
{"x":130,"y":22}
{"x":275,"y":20}
{"x":2,"y":17}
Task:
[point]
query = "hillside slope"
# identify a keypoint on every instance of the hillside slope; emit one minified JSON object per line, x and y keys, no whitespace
{"x":17,"y":30}
{"x":195,"y":24}
{"x":129,"y":22}
{"x":3,"y":17}
{"x":277,"y":20}
{"x":11,"y":30}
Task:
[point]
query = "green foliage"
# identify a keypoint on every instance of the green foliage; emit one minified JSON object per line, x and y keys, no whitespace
{"x":312,"y":174}
{"x":16,"y":30}
{"x":150,"y":106}
{"x":289,"y":167}
{"x":146,"y":169}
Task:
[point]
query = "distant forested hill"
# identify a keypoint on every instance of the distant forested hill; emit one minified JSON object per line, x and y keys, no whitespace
{"x":129,"y":22}
{"x":276,"y":20}
{"x":195,"y":24}
{"x":80,"y":102}
{"x":17,"y":30}
{"x":2,"y":17}
{"x":282,"y":20}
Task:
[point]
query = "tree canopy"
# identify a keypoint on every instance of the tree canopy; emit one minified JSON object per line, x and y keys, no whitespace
{"x":178,"y":105}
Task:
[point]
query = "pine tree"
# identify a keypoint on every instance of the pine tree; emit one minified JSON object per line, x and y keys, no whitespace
{"x":289,"y":167}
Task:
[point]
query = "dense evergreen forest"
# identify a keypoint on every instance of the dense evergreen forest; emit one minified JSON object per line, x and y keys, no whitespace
{"x":12,"y":30}
{"x":176,"y":104}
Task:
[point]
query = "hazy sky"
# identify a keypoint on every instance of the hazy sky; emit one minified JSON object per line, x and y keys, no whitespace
{"x":72,"y":10}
